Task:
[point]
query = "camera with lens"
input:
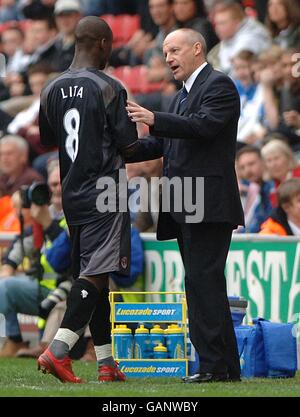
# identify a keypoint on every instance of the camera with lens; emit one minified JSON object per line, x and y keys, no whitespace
{"x":37,"y":193}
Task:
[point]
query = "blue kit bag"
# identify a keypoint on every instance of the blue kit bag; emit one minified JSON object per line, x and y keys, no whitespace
{"x":267,"y":349}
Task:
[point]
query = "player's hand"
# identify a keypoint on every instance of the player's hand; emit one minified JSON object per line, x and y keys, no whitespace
{"x":138,"y":113}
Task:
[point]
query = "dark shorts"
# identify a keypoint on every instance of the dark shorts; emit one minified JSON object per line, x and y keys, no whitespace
{"x":102,"y":246}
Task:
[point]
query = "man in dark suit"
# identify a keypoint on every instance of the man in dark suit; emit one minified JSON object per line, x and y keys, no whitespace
{"x":197,"y":139}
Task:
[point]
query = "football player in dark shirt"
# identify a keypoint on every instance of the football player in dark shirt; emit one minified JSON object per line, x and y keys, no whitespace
{"x":83,"y":113}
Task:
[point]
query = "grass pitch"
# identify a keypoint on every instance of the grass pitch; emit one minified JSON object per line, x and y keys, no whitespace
{"x":20,"y":378}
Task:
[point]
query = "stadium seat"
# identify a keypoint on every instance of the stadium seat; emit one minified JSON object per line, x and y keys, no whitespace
{"x":135,"y":79}
{"x":22,"y":24}
{"x":8,"y":25}
{"x":123,"y":26}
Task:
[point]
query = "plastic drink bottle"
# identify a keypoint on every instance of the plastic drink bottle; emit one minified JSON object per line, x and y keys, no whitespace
{"x":141,"y":342}
{"x":175,"y":341}
{"x":160,"y":352}
{"x":123,"y":342}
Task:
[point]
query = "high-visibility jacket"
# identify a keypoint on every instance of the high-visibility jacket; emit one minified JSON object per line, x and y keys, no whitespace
{"x":49,"y":274}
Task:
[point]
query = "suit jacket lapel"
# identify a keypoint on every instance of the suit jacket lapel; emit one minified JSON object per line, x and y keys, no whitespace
{"x":201,"y":78}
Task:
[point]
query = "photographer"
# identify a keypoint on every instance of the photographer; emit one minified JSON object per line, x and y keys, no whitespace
{"x":23,"y":293}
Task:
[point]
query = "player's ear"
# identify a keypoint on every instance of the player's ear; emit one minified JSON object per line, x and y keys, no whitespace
{"x":104,"y":43}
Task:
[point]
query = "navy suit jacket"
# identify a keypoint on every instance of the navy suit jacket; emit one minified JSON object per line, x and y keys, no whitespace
{"x":199,"y":141}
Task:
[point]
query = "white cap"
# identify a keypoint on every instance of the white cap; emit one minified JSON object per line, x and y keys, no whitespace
{"x":65,"y":6}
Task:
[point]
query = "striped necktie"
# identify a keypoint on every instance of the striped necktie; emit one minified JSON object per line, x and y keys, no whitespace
{"x":182,"y":98}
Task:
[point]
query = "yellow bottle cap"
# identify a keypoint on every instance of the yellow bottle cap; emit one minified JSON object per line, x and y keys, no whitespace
{"x":160,"y":348}
{"x":142,"y":330}
{"x":121,"y":329}
{"x":157,"y":329}
{"x":173,"y":328}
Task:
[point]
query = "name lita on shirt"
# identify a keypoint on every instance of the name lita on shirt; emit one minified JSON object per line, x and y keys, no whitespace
{"x":73,"y":92}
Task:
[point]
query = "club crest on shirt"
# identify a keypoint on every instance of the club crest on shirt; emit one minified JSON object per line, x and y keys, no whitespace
{"x":84,"y":293}
{"x":124,"y":262}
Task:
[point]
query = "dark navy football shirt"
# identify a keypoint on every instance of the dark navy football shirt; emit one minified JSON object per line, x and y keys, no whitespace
{"x":83,"y":113}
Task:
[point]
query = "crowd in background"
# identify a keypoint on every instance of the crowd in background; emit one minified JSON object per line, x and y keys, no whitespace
{"x":257,"y":43}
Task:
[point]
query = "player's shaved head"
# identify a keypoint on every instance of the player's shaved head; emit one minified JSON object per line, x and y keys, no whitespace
{"x":93,"y":45}
{"x":92,"y":28}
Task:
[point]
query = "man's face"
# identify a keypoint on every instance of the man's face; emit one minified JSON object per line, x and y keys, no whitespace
{"x":11,"y":40}
{"x":277,"y":11}
{"x":11,"y":159}
{"x":37,"y":82}
{"x":66,"y":22}
{"x":243,"y":71}
{"x":41,"y":32}
{"x":226,"y":25}
{"x":160,"y":11}
{"x":250,"y":167}
{"x":277,"y":165}
{"x":182,"y":57}
{"x":55,"y":186}
{"x":185,"y":10}
{"x":287,"y":67}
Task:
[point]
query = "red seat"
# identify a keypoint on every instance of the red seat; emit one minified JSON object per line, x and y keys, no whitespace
{"x":8,"y":25}
{"x":123,"y":27}
{"x":22,"y":24}
{"x":135,"y":78}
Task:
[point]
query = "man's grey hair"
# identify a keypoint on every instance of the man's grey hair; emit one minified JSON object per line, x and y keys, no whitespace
{"x":20,"y":142}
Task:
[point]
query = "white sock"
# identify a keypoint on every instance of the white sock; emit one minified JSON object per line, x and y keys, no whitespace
{"x":104,"y":355}
{"x":67,"y":336}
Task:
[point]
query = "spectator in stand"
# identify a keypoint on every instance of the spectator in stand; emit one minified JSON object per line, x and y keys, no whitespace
{"x":285,"y":219}
{"x":12,"y":44}
{"x":191,"y":14}
{"x":289,"y":106}
{"x":251,"y":95}
{"x":255,"y":192}
{"x":13,"y":86}
{"x":9,"y":11}
{"x":22,"y":293}
{"x":14,"y":168}
{"x":258,"y":80}
{"x":67,"y":15}
{"x":162,"y":13}
{"x":283,"y":21}
{"x":280,"y":164}
{"x":10,"y":214}
{"x":141,"y":48}
{"x":38,"y":75}
{"x":237,"y":32}
{"x":270,"y":61}
{"x":44,"y":34}
{"x":59,"y":52}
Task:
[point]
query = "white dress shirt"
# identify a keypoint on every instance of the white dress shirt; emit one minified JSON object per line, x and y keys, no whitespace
{"x":188,"y":84}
